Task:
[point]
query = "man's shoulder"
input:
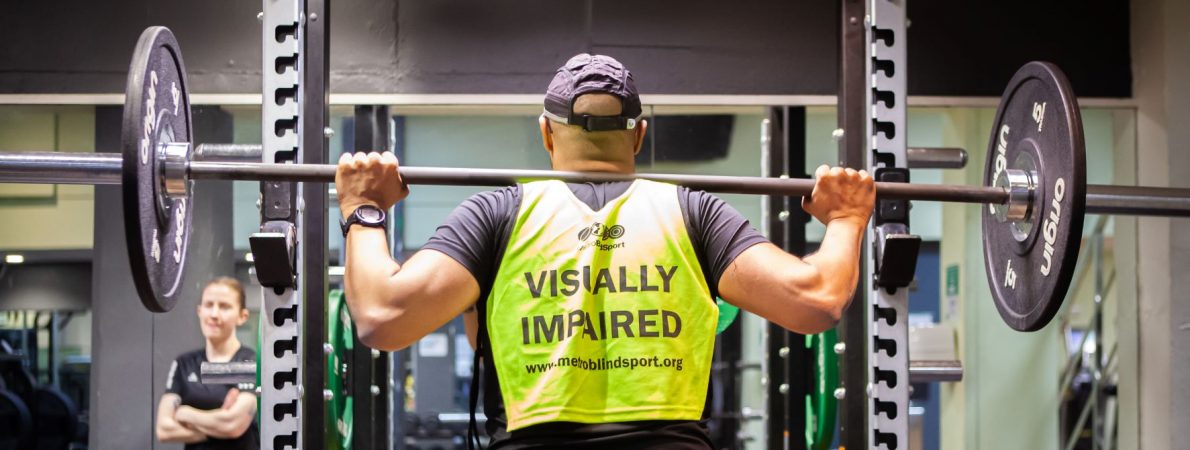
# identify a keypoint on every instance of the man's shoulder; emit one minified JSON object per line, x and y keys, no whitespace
{"x":495,"y":194}
{"x":494,"y":203}
{"x":696,"y":193}
{"x":695,"y":201}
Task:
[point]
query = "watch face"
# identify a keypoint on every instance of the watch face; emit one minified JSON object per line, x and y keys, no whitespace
{"x":370,"y":215}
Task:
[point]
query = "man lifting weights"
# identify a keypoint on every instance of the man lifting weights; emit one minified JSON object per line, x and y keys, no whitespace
{"x":594,"y":303}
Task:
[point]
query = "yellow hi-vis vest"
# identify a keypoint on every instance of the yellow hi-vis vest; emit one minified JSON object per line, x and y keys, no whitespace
{"x":601,"y":316}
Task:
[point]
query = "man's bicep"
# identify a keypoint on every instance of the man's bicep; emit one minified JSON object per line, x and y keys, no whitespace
{"x":435,"y":288}
{"x":769,"y":282}
{"x":719,"y":231}
{"x":473,"y":232}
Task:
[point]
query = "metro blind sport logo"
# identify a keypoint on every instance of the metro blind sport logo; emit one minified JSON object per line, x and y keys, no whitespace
{"x":602,"y":236}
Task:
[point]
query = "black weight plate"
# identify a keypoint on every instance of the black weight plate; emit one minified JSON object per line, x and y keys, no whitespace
{"x":156,"y":111}
{"x":1038,"y":120}
{"x":55,"y":418}
{"x":16,"y":422}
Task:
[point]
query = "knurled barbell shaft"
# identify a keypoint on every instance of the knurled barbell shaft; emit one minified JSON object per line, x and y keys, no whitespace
{"x":504,"y":177}
{"x":105,"y":168}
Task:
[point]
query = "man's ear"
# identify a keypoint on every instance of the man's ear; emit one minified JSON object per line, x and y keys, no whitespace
{"x":547,"y":138}
{"x":243,"y":317}
{"x":641,"y":127}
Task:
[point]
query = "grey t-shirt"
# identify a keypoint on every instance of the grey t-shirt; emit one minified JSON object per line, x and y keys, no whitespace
{"x":476,"y":234}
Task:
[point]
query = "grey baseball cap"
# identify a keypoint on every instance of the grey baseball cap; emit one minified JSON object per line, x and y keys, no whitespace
{"x":584,"y":74}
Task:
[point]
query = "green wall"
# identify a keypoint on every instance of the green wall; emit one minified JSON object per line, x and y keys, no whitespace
{"x":44,"y":217}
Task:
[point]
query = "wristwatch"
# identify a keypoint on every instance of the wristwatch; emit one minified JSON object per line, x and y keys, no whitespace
{"x":366,"y":215}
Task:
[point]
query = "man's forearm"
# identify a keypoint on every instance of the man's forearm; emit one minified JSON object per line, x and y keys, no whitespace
{"x":393,"y":305}
{"x":838,"y":256}
{"x":368,"y":270}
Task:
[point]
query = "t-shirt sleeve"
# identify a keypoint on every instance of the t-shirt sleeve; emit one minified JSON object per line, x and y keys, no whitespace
{"x":473,"y":233}
{"x":718,"y":231}
{"x":173,"y":379}
{"x":245,"y":353}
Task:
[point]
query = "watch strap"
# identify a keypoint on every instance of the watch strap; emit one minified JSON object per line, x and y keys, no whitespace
{"x":355,"y":218}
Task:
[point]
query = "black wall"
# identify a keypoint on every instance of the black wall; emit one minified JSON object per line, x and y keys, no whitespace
{"x":973,"y":48}
{"x":513,"y":46}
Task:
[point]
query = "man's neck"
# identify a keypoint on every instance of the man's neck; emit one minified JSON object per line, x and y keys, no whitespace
{"x":222,"y":351}
{"x":628,"y":167}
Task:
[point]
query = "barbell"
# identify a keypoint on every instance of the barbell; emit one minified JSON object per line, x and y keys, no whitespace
{"x":1035,"y":183}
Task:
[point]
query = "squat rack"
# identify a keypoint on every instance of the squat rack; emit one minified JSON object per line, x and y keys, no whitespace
{"x":294,"y":112}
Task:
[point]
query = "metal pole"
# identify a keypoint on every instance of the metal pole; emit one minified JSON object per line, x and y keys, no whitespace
{"x":312,"y":229}
{"x":105,"y":168}
{"x":227,"y":152}
{"x":919,"y":157}
{"x":1138,"y":200}
{"x":852,"y":120}
{"x":936,"y":157}
{"x":888,"y":339}
{"x":289,"y":405}
{"x":60,"y":168}
{"x":935,"y":371}
{"x":786,"y":351}
{"x":1097,"y":355}
{"x":503,"y":177}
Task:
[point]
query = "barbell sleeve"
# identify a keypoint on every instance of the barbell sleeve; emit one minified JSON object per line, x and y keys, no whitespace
{"x":936,"y":157}
{"x":1138,"y":200}
{"x":933,"y":371}
{"x":228,"y":152}
{"x":39,"y":167}
{"x":60,"y":167}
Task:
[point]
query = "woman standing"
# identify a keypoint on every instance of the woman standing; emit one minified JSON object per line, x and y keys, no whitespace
{"x":211,"y":416}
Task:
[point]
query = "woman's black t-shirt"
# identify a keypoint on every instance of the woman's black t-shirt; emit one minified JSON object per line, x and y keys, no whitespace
{"x":184,"y":380}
